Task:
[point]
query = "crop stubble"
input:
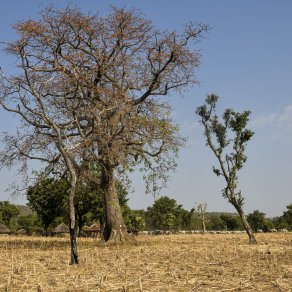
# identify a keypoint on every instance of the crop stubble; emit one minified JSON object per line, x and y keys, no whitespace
{"x":215,"y":262}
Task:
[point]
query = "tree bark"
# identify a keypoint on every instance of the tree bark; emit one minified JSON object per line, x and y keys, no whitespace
{"x":203,"y":224}
{"x":246,"y":226}
{"x":73,"y":243}
{"x":115,"y":229}
{"x":73,"y":182}
{"x":73,"y":225}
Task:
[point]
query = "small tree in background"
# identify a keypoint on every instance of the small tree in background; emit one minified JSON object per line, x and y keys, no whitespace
{"x":231,"y":222}
{"x":257,"y":220}
{"x":287,"y":216}
{"x":28,"y":222}
{"x":228,"y":139}
{"x":7,"y":212}
{"x":215,"y":222}
{"x":162,"y":214}
{"x":47,"y":199}
{"x":134,"y":219}
{"x":201,"y":209}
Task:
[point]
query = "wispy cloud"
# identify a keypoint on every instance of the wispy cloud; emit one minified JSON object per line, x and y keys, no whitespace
{"x":278,"y":125}
{"x":282,"y":119}
{"x":286,"y":117}
{"x":264,"y":120}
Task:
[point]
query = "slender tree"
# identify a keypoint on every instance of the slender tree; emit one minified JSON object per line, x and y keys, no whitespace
{"x":228,"y":139}
{"x":201,"y":209}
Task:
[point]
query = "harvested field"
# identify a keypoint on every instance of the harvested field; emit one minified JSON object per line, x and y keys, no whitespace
{"x":217,"y":262}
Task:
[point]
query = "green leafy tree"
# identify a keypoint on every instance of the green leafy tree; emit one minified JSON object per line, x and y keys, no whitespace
{"x":270,"y":224}
{"x":284,"y":221}
{"x":7,"y":212}
{"x":185,"y":218}
{"x":88,"y":203}
{"x":214,"y":222}
{"x":28,"y":222}
{"x":134,"y":219}
{"x":287,"y":216}
{"x":227,"y":139}
{"x":46,"y":198}
{"x":166,"y":214}
{"x":257,"y":220}
{"x":231,"y":222}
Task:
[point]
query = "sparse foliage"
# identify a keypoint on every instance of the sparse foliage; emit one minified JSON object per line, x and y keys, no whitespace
{"x":227,"y":138}
{"x":201,"y":209}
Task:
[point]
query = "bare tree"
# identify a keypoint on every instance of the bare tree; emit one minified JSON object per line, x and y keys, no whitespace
{"x":228,"y":140}
{"x":90,"y":84}
{"x":201,"y":209}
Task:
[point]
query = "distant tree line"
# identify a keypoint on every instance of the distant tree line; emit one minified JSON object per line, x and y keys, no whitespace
{"x":47,"y":211}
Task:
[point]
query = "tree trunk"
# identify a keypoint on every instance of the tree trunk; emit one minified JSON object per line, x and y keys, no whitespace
{"x":115,"y":229}
{"x":73,"y":225}
{"x":73,"y":182}
{"x":246,"y":226}
{"x":203,"y":224}
{"x":73,"y":243}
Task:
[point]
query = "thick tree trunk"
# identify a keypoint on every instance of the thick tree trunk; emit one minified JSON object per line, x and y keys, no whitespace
{"x":246,"y":226}
{"x":115,"y":229}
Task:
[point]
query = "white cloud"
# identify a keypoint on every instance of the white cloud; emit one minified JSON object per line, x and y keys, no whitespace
{"x":285,"y":118}
{"x":277,"y":126}
{"x":264,"y":120}
{"x":281,"y":120}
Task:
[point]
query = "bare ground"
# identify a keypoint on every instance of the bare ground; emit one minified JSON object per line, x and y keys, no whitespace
{"x":215,"y":262}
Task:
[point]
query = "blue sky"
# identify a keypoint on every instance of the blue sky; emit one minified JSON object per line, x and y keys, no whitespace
{"x":246,"y":60}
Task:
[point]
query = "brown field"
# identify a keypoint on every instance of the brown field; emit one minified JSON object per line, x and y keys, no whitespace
{"x":215,"y":262}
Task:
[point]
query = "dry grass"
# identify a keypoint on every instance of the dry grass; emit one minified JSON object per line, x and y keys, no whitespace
{"x":217,"y":262}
